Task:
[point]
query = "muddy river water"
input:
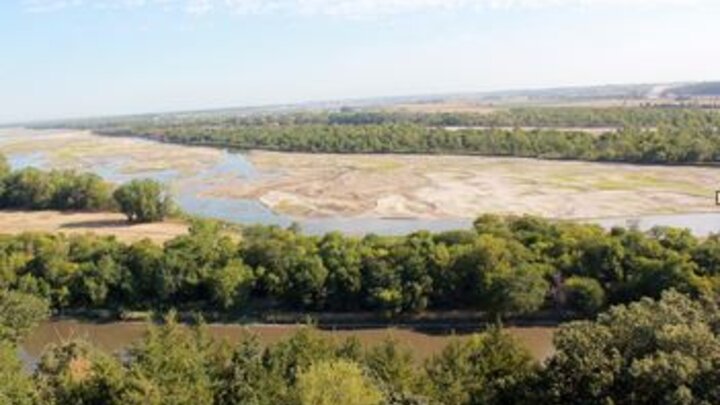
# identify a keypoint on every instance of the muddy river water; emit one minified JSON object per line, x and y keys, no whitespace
{"x":115,"y":336}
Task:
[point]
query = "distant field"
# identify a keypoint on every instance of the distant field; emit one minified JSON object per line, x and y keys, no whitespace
{"x":15,"y":222}
{"x":484,"y":107}
{"x":589,"y":130}
{"x":447,"y":107}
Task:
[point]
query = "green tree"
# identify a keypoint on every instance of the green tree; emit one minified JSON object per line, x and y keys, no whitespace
{"x":77,"y":373}
{"x":648,"y":352}
{"x":336,"y":382}
{"x":516,"y":291}
{"x":230,"y":286}
{"x":584,"y":295}
{"x":19,"y":313}
{"x":393,"y":367}
{"x":143,"y":201}
{"x":245,"y":379}
{"x":80,"y":192}
{"x":28,"y":188}
{"x":288,"y":266}
{"x":483,"y":370}
{"x":16,"y":386}
{"x":169,"y":367}
{"x":341,"y":257}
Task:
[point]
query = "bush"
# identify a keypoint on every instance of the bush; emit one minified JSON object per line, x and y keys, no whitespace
{"x":143,"y":201}
{"x":336,"y":382}
{"x":19,"y":313}
{"x":584,"y":295}
{"x":4,"y":166}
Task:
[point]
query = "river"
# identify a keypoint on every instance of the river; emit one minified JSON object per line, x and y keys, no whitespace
{"x":192,"y":171}
{"x":113,"y":337}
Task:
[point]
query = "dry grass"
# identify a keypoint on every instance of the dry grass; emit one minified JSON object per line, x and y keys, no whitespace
{"x":82,"y":150}
{"x":16,"y":222}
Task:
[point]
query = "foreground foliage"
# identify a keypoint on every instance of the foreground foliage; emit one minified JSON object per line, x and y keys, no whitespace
{"x":663,"y":351}
{"x":510,"y":266}
{"x":649,"y":352}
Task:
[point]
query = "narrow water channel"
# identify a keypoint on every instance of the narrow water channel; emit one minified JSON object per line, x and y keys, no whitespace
{"x":113,"y":337}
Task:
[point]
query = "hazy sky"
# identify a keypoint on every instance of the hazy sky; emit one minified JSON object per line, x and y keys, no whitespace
{"x":61,"y":58}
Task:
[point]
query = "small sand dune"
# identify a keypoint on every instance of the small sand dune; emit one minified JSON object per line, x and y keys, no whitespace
{"x":100,"y":223}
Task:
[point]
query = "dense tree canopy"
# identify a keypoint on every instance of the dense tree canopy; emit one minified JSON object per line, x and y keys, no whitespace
{"x":62,"y":190}
{"x":35,"y":189}
{"x":645,"y":352}
{"x":649,"y":352}
{"x":505,"y":266}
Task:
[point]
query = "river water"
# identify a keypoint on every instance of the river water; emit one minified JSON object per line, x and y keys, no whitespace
{"x":115,"y":336}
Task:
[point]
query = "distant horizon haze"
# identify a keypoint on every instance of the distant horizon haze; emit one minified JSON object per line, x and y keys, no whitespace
{"x":463,"y":96}
{"x":63,"y":59}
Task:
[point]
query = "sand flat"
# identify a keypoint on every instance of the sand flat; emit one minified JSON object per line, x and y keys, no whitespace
{"x":303,"y":185}
{"x":415,"y":186}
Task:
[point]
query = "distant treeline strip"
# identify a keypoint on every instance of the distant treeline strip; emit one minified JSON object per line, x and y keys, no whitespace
{"x":643,"y":135}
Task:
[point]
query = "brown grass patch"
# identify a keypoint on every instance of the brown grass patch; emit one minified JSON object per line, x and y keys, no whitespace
{"x":99,"y":223}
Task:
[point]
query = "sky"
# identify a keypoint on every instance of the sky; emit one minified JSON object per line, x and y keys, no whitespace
{"x":79,"y":58}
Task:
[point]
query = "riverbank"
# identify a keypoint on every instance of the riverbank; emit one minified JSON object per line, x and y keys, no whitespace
{"x":426,"y":320}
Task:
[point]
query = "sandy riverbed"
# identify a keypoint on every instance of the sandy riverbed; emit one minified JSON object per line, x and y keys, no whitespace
{"x":309,"y":186}
{"x":317,"y":185}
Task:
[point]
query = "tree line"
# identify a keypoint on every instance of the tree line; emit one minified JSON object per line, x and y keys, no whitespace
{"x":665,"y":136}
{"x":589,"y":117}
{"x":34,"y":189}
{"x":543,"y":117}
{"x":664,"y":351}
{"x":510,"y":266}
